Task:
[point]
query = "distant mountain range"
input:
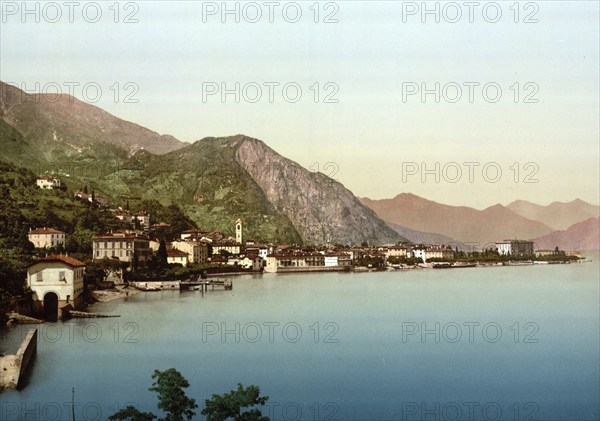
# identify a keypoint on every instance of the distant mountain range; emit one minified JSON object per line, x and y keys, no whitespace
{"x":581,"y":236}
{"x":482,"y":227}
{"x":557,"y":215}
{"x":215,"y":180}
{"x":420,"y":237}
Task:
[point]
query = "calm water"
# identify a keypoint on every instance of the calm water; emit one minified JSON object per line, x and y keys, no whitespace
{"x":511,"y":343}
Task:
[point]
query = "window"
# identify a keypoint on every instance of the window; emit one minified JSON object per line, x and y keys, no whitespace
{"x":38,"y":277}
{"x":61,"y":276}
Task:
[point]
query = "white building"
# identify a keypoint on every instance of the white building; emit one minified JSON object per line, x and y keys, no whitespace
{"x":230,"y":247}
{"x":177,"y":257}
{"x":331,"y":260}
{"x":48,"y":182}
{"x":43,"y":238}
{"x":56,"y":281}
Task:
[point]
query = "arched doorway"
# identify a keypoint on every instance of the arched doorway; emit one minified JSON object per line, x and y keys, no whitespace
{"x":51,"y":306}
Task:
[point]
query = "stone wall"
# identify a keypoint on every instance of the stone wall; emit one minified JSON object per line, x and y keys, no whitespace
{"x":12,"y":367}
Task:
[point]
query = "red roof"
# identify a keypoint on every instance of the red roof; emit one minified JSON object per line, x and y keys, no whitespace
{"x":45,"y":231}
{"x":60,"y":258}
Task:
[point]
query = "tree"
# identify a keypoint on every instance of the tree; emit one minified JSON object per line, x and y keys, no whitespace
{"x":230,"y":405}
{"x":133,"y":414}
{"x":169,"y":385}
{"x":162,"y":255}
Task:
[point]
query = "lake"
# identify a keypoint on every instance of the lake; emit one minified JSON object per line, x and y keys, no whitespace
{"x":498,"y":343}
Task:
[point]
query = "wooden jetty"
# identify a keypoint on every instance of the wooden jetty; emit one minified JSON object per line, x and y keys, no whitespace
{"x":85,"y":315}
{"x":203,"y":285}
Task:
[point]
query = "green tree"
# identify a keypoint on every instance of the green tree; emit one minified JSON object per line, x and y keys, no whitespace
{"x":133,"y":414}
{"x":230,"y":405}
{"x":169,"y":385}
{"x":162,"y":255}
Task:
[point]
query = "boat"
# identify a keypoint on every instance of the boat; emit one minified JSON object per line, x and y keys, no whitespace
{"x":453,"y":266}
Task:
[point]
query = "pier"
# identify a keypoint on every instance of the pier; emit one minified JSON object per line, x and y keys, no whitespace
{"x":204,"y":284}
{"x":13,"y":367}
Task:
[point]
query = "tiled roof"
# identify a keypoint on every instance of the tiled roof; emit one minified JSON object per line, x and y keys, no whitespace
{"x":45,"y":231}
{"x":61,"y":258}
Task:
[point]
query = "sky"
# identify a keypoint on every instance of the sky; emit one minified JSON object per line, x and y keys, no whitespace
{"x":463,"y":103}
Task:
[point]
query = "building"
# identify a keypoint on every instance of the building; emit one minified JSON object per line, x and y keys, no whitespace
{"x":56,"y":282}
{"x":48,"y":182}
{"x":337,"y":260}
{"x":177,"y":257}
{"x":142,"y":218}
{"x":228,"y":246}
{"x":542,"y":253}
{"x":515,"y":247}
{"x":262,"y":251}
{"x":43,"y":238}
{"x":396,"y":251}
{"x":197,"y":250}
{"x":439,"y":253}
{"x":306,"y":261}
{"x":121,"y":245}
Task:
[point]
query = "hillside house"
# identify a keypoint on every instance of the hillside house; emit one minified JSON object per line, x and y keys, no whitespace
{"x":48,"y":183}
{"x":43,"y":238}
{"x":121,"y":245}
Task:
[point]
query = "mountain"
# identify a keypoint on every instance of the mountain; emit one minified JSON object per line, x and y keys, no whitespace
{"x":581,"y":236}
{"x":321,"y":209}
{"x":215,"y":180}
{"x":420,"y":237}
{"x":557,"y":215}
{"x":471,"y":226}
{"x":63,"y":127}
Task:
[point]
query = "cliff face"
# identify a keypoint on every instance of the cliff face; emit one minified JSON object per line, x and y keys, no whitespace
{"x":321,"y":209}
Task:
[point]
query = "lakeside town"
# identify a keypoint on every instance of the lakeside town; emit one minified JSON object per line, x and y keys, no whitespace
{"x":143,"y":257}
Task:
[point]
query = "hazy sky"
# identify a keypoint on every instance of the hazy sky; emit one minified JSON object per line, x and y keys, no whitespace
{"x":380,"y":133}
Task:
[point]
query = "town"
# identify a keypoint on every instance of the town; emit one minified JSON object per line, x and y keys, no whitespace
{"x":147,"y":255}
